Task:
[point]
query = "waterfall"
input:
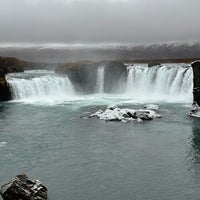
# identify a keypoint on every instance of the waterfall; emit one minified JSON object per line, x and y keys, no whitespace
{"x":40,"y":85}
{"x":100,"y":80}
{"x":167,"y":82}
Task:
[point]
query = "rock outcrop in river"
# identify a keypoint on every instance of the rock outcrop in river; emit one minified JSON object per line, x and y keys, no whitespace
{"x":8,"y":65}
{"x":113,"y":113}
{"x":23,"y":188}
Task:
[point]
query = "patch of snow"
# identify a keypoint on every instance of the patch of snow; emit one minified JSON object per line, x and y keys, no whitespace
{"x":195,"y":111}
{"x":151,"y":106}
{"x":113,"y":113}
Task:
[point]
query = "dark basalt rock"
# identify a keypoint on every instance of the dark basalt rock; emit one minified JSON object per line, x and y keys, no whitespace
{"x":115,"y":77}
{"x":8,"y":65}
{"x":5,"y":93}
{"x":23,"y":188}
{"x":153,"y":63}
{"x":84,"y":75}
{"x":196,"y":82}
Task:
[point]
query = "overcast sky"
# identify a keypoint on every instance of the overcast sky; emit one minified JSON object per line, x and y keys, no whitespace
{"x":95,"y":21}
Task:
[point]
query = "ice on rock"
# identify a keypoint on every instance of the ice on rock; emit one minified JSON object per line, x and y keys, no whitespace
{"x":112,"y":107}
{"x":195,"y":111}
{"x":113,"y":113}
{"x":138,"y":120}
{"x":151,"y":106}
{"x":96,"y":113}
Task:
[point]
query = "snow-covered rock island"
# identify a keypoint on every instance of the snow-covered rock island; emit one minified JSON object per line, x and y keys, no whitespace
{"x":113,"y":113}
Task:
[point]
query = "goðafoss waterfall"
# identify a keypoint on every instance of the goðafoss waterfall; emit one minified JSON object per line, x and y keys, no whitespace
{"x":168,"y":82}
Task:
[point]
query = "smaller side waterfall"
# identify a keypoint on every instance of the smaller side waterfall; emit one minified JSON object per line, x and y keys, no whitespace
{"x":100,"y":80}
{"x":40,"y":85}
{"x":168,"y":82}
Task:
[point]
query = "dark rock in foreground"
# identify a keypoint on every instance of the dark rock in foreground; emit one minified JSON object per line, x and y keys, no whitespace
{"x":115,"y":76}
{"x":23,"y":188}
{"x":195,"y":111}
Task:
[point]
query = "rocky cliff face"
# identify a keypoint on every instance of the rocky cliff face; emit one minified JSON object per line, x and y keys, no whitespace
{"x":196,"y":82}
{"x":23,"y":188}
{"x":115,"y":76}
{"x":8,"y":65}
{"x":84,"y":75}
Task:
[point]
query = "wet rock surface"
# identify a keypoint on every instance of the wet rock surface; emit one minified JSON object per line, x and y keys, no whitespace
{"x":153,"y":63}
{"x":8,"y":65}
{"x":196,"y":82}
{"x":195,"y":111}
{"x":84,"y":75}
{"x":23,"y":188}
{"x":5,"y":93}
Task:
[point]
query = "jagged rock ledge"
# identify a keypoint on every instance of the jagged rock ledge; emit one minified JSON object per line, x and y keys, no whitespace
{"x":23,"y":188}
{"x":113,"y":113}
{"x":8,"y":65}
{"x":195,"y":111}
{"x":153,"y":63}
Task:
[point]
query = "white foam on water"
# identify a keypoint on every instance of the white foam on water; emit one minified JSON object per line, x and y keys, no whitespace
{"x":3,"y":144}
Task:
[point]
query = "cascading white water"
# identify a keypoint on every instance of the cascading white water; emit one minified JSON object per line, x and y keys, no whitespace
{"x":168,"y":82}
{"x":40,"y":85}
{"x":100,"y":80}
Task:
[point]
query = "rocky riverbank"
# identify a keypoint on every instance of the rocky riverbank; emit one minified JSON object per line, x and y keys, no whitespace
{"x":195,"y":111}
{"x":8,"y":65}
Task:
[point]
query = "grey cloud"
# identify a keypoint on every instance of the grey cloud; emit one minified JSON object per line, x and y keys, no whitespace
{"x":136,"y":21}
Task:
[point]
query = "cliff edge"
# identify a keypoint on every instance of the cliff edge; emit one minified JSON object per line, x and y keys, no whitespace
{"x":8,"y":65}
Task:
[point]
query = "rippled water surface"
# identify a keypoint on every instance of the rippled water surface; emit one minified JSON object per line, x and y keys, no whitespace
{"x":89,"y":159}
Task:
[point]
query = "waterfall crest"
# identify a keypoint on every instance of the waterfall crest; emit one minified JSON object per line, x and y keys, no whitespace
{"x":39,"y":84}
{"x":168,"y":81}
